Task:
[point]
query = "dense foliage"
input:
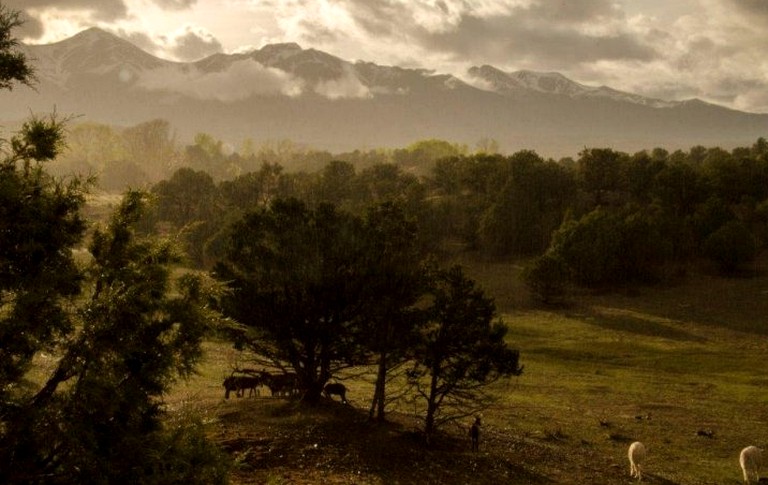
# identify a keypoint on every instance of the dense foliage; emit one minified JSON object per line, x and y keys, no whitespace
{"x":611,"y":217}
{"x":88,"y":345}
{"x":298,"y":276}
{"x":316,"y":290}
{"x":460,"y":350}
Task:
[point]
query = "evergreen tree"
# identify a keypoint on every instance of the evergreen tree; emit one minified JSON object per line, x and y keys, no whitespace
{"x":87,"y":353}
{"x":297,"y":276}
{"x":462,"y":350}
{"x":397,"y":280}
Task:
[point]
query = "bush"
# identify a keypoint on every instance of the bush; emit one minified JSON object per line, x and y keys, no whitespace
{"x":547,"y":278}
{"x":606,"y":247}
{"x":591,"y":248}
{"x":731,"y":246}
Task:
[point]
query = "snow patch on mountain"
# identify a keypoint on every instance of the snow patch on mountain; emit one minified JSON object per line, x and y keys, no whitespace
{"x":520,"y":82}
{"x":289,"y":70}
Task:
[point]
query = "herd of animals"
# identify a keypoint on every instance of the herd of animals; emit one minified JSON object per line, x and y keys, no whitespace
{"x":286,"y":384}
{"x":750,"y":460}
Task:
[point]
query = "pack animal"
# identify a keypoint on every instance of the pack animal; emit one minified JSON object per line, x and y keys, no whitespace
{"x":281,"y":384}
{"x":230,"y":384}
{"x":239,"y":384}
{"x":337,"y":389}
{"x":636,"y":455}
{"x":751,"y":460}
{"x":251,"y":383}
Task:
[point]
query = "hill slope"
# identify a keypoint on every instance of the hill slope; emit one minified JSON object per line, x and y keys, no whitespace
{"x":659,"y":365}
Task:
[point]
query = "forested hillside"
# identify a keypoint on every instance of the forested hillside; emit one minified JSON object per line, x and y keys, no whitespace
{"x":602,"y":217}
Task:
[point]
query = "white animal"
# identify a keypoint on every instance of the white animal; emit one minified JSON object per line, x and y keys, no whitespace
{"x":751,"y":459}
{"x":636,"y":456}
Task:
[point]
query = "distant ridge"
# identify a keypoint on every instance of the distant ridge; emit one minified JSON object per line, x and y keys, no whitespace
{"x":520,"y":82}
{"x":312,"y":97}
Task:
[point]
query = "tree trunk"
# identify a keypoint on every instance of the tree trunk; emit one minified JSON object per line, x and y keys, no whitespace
{"x":382,"y":385}
{"x":316,"y":378}
{"x":378,"y":402}
{"x":312,"y":393}
{"x":429,"y":421}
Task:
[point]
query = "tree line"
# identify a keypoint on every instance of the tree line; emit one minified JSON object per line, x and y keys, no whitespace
{"x":605,"y":218}
{"x":145,"y":153}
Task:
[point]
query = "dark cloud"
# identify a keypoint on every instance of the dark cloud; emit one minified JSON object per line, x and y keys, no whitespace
{"x":751,"y":7}
{"x":318,"y":34}
{"x":175,"y":4}
{"x":504,"y":39}
{"x":569,"y":11}
{"x":103,"y":9}
{"x":554,"y":32}
{"x":139,"y":39}
{"x":193,"y":44}
{"x":189,"y":44}
{"x":375,"y":17}
{"x":732,"y":84}
{"x":33,"y":27}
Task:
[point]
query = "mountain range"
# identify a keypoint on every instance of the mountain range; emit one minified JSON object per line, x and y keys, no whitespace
{"x":312,"y":97}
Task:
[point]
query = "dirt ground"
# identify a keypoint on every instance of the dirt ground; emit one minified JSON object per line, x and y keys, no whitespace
{"x":280,"y":441}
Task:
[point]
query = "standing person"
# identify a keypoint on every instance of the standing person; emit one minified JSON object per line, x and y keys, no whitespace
{"x":474,"y":433}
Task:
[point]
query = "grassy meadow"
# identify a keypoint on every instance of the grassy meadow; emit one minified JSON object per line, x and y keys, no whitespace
{"x":680,"y":367}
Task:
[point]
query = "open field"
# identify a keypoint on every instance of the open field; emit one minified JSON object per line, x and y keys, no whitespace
{"x":656,"y":364}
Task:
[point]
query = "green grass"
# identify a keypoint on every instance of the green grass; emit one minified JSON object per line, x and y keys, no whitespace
{"x":684,"y":358}
{"x":657,"y":365}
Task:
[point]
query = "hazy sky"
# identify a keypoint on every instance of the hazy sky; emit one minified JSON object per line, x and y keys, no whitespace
{"x":672,"y":49}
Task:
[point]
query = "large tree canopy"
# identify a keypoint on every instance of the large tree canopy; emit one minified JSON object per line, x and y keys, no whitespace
{"x":297,"y":276}
{"x":316,"y":289}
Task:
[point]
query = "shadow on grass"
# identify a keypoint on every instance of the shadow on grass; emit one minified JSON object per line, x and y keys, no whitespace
{"x":335,"y":440}
{"x":651,"y":478}
{"x":635,"y":325}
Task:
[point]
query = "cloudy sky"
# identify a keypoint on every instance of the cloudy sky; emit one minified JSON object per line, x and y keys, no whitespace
{"x":671,"y":49}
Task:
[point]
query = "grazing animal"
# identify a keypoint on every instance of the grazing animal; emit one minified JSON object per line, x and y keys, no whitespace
{"x":636,"y":456}
{"x":248,"y":382}
{"x":239,"y":384}
{"x":281,"y":384}
{"x":474,"y":434}
{"x":230,"y":384}
{"x":336,"y":388}
{"x":751,"y":459}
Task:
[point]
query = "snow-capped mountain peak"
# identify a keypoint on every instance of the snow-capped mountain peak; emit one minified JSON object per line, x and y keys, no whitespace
{"x":520,"y":82}
{"x":288,"y":91}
